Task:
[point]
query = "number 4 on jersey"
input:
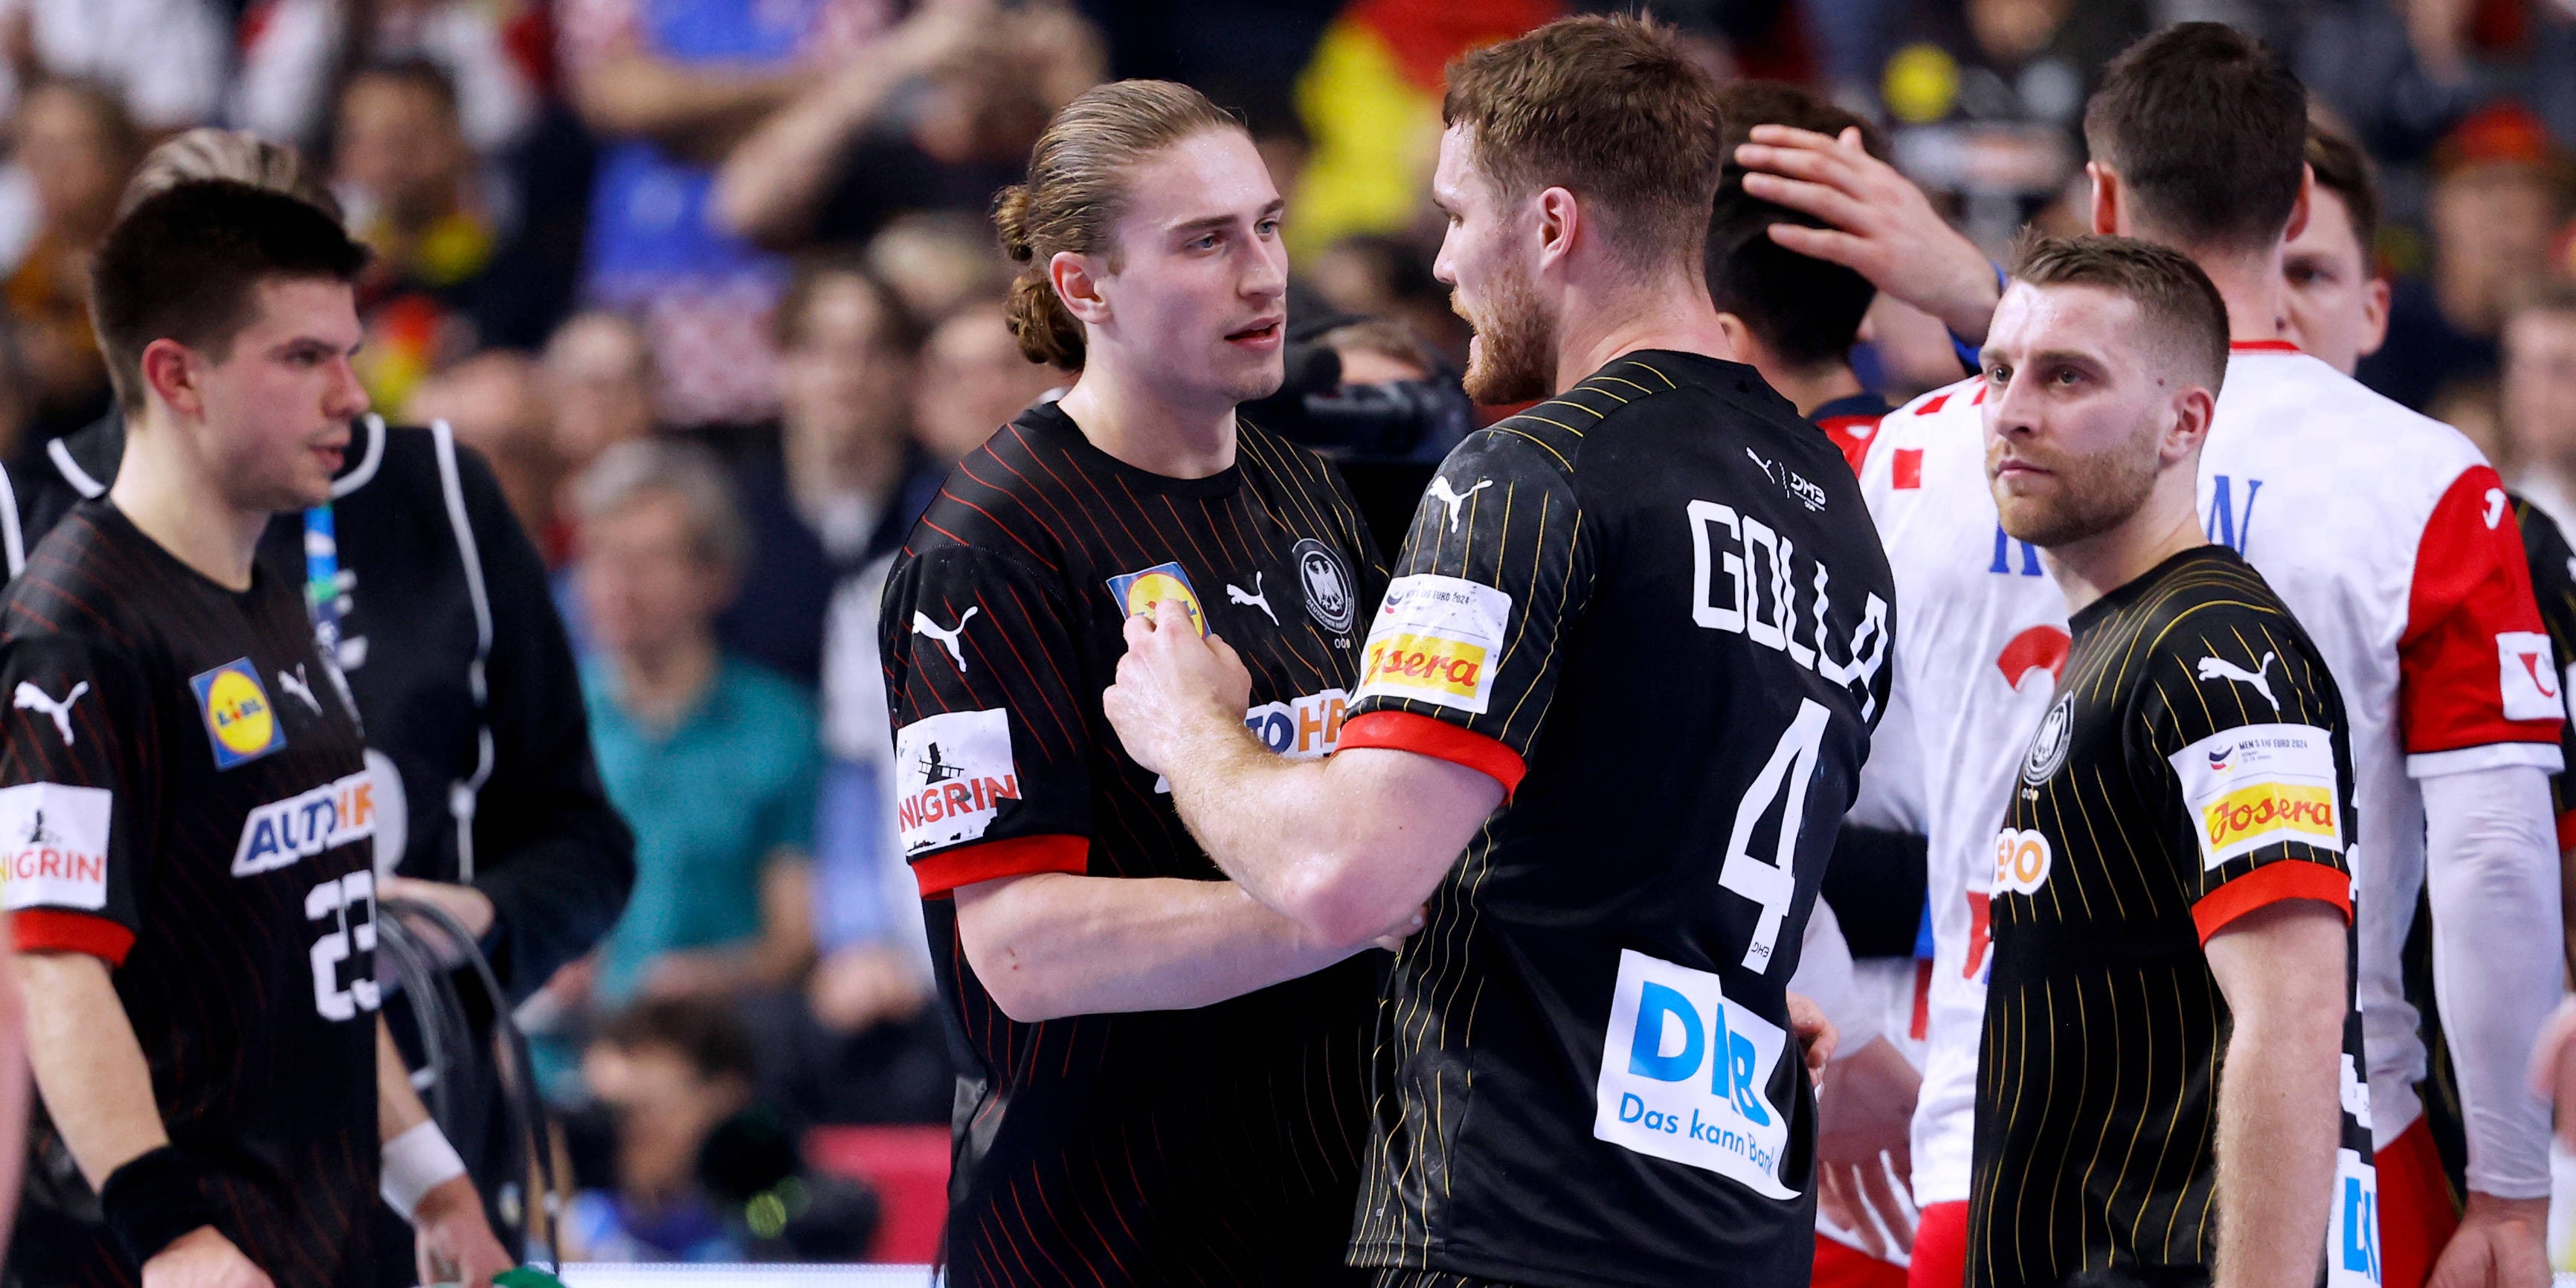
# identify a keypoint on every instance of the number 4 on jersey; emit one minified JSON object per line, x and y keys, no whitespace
{"x":1773,"y":883}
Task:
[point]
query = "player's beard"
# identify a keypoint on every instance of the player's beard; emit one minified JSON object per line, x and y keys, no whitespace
{"x":2095,"y":493}
{"x":1515,"y":351}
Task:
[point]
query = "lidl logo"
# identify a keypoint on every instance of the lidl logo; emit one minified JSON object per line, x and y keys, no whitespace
{"x":239,"y":720}
{"x":1138,"y":592}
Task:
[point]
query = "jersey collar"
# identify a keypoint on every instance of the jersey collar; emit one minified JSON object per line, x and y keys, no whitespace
{"x":2262,"y":346}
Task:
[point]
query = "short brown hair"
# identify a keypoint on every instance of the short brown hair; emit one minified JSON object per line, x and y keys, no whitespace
{"x":186,"y":265}
{"x":1807,"y":311}
{"x":1609,"y":108}
{"x":1076,"y":193}
{"x":2207,"y":131}
{"x":2344,"y":170}
{"x":2171,"y":291}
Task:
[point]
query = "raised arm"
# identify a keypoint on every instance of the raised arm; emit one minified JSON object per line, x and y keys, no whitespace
{"x":2282,"y":970}
{"x":1878,"y":224}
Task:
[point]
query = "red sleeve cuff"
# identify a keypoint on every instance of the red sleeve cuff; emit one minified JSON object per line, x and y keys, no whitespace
{"x":2268,"y":885}
{"x":2567,"y":830}
{"x":49,"y":930}
{"x":1018,"y":857}
{"x":1424,"y":736}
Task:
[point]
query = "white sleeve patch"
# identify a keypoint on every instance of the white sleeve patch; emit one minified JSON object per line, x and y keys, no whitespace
{"x":2527,"y":672}
{"x":954,"y":771}
{"x":53,"y":846}
{"x":2258,"y":785}
{"x":1436,"y":639}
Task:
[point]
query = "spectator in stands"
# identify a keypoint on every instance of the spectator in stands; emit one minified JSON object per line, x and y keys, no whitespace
{"x":973,"y":380}
{"x":600,"y":384}
{"x":846,"y":483}
{"x":2496,"y":204}
{"x":712,"y":759}
{"x":668,"y":1071}
{"x":445,"y":281}
{"x":292,"y":51}
{"x":163,"y":59}
{"x":939,"y":114}
{"x":938,"y":260}
{"x":672,"y":87}
{"x":76,"y":145}
{"x":2539,"y":401}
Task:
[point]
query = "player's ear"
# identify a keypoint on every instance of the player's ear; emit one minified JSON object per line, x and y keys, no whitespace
{"x":1077,"y":281}
{"x":2374,"y":312}
{"x":2106,"y":197}
{"x":1739,"y":338}
{"x":171,"y":374}
{"x":2299,"y":209}
{"x":1560,"y":223}
{"x":2193,"y":408}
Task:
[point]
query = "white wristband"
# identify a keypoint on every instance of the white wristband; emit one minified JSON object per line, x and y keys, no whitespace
{"x":416,"y":1162}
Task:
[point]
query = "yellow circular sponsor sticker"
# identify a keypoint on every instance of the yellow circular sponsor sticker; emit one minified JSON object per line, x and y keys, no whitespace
{"x":238,"y":713}
{"x":1155,"y":587}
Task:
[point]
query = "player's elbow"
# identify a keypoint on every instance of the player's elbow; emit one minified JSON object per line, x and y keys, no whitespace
{"x":1336,"y":901}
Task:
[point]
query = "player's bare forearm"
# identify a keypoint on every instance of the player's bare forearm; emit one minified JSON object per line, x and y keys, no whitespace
{"x":2282,"y":970}
{"x":1053,"y":944}
{"x":2491,"y":874}
{"x":398,"y":1106}
{"x":88,"y":1066}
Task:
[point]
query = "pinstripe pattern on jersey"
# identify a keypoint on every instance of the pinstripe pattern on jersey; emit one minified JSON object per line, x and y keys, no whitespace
{"x":1215,"y":1146}
{"x":219,"y":985}
{"x":2104,"y":1035}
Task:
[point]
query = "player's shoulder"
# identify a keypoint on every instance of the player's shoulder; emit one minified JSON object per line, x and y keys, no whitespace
{"x":84,"y":581}
{"x":2296,"y":398}
{"x":2206,"y":592}
{"x":2551,"y":557}
{"x":1016,"y":497}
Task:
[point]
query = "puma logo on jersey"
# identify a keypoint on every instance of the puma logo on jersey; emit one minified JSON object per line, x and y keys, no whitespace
{"x":922,"y":625}
{"x":2495,"y":506}
{"x":295,"y":683}
{"x":2215,"y":668}
{"x":1441,"y":492}
{"x":1235,"y":594}
{"x":31,"y":698}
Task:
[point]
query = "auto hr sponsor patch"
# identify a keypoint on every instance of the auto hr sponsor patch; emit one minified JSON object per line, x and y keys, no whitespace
{"x":307,"y":824}
{"x":53,"y":846}
{"x":2259,"y":785}
{"x":954,"y":770}
{"x":1436,"y":639}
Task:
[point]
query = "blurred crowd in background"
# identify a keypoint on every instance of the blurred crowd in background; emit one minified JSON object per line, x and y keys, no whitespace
{"x":711,"y":284}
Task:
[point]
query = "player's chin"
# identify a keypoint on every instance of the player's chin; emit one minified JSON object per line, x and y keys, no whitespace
{"x":1250,"y":377}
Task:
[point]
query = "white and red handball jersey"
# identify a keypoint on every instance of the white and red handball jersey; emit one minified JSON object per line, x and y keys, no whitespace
{"x":2392,"y":540}
{"x":1980,"y":639}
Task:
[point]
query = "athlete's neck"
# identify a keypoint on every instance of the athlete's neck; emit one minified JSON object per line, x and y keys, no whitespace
{"x":1600,"y":324}
{"x":2258,"y":305}
{"x":2165,"y":526}
{"x":1811,"y":390}
{"x":1159,"y":431}
{"x":658,"y":686}
{"x":172,"y":495}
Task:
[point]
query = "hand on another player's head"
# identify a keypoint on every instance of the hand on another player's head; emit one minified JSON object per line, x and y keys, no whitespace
{"x":1879,"y":224}
{"x":203,"y":1258}
{"x":1173,"y":685}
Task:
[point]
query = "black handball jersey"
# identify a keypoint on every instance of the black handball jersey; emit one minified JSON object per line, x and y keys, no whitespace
{"x":2553,"y":583}
{"x":1655,"y":609}
{"x":2192,"y":768}
{"x":1218,"y":1145}
{"x":183,"y":795}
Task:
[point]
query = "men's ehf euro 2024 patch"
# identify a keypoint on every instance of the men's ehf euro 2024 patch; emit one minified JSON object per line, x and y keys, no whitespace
{"x":954,"y":770}
{"x":2258,"y":785}
{"x":1436,"y":639}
